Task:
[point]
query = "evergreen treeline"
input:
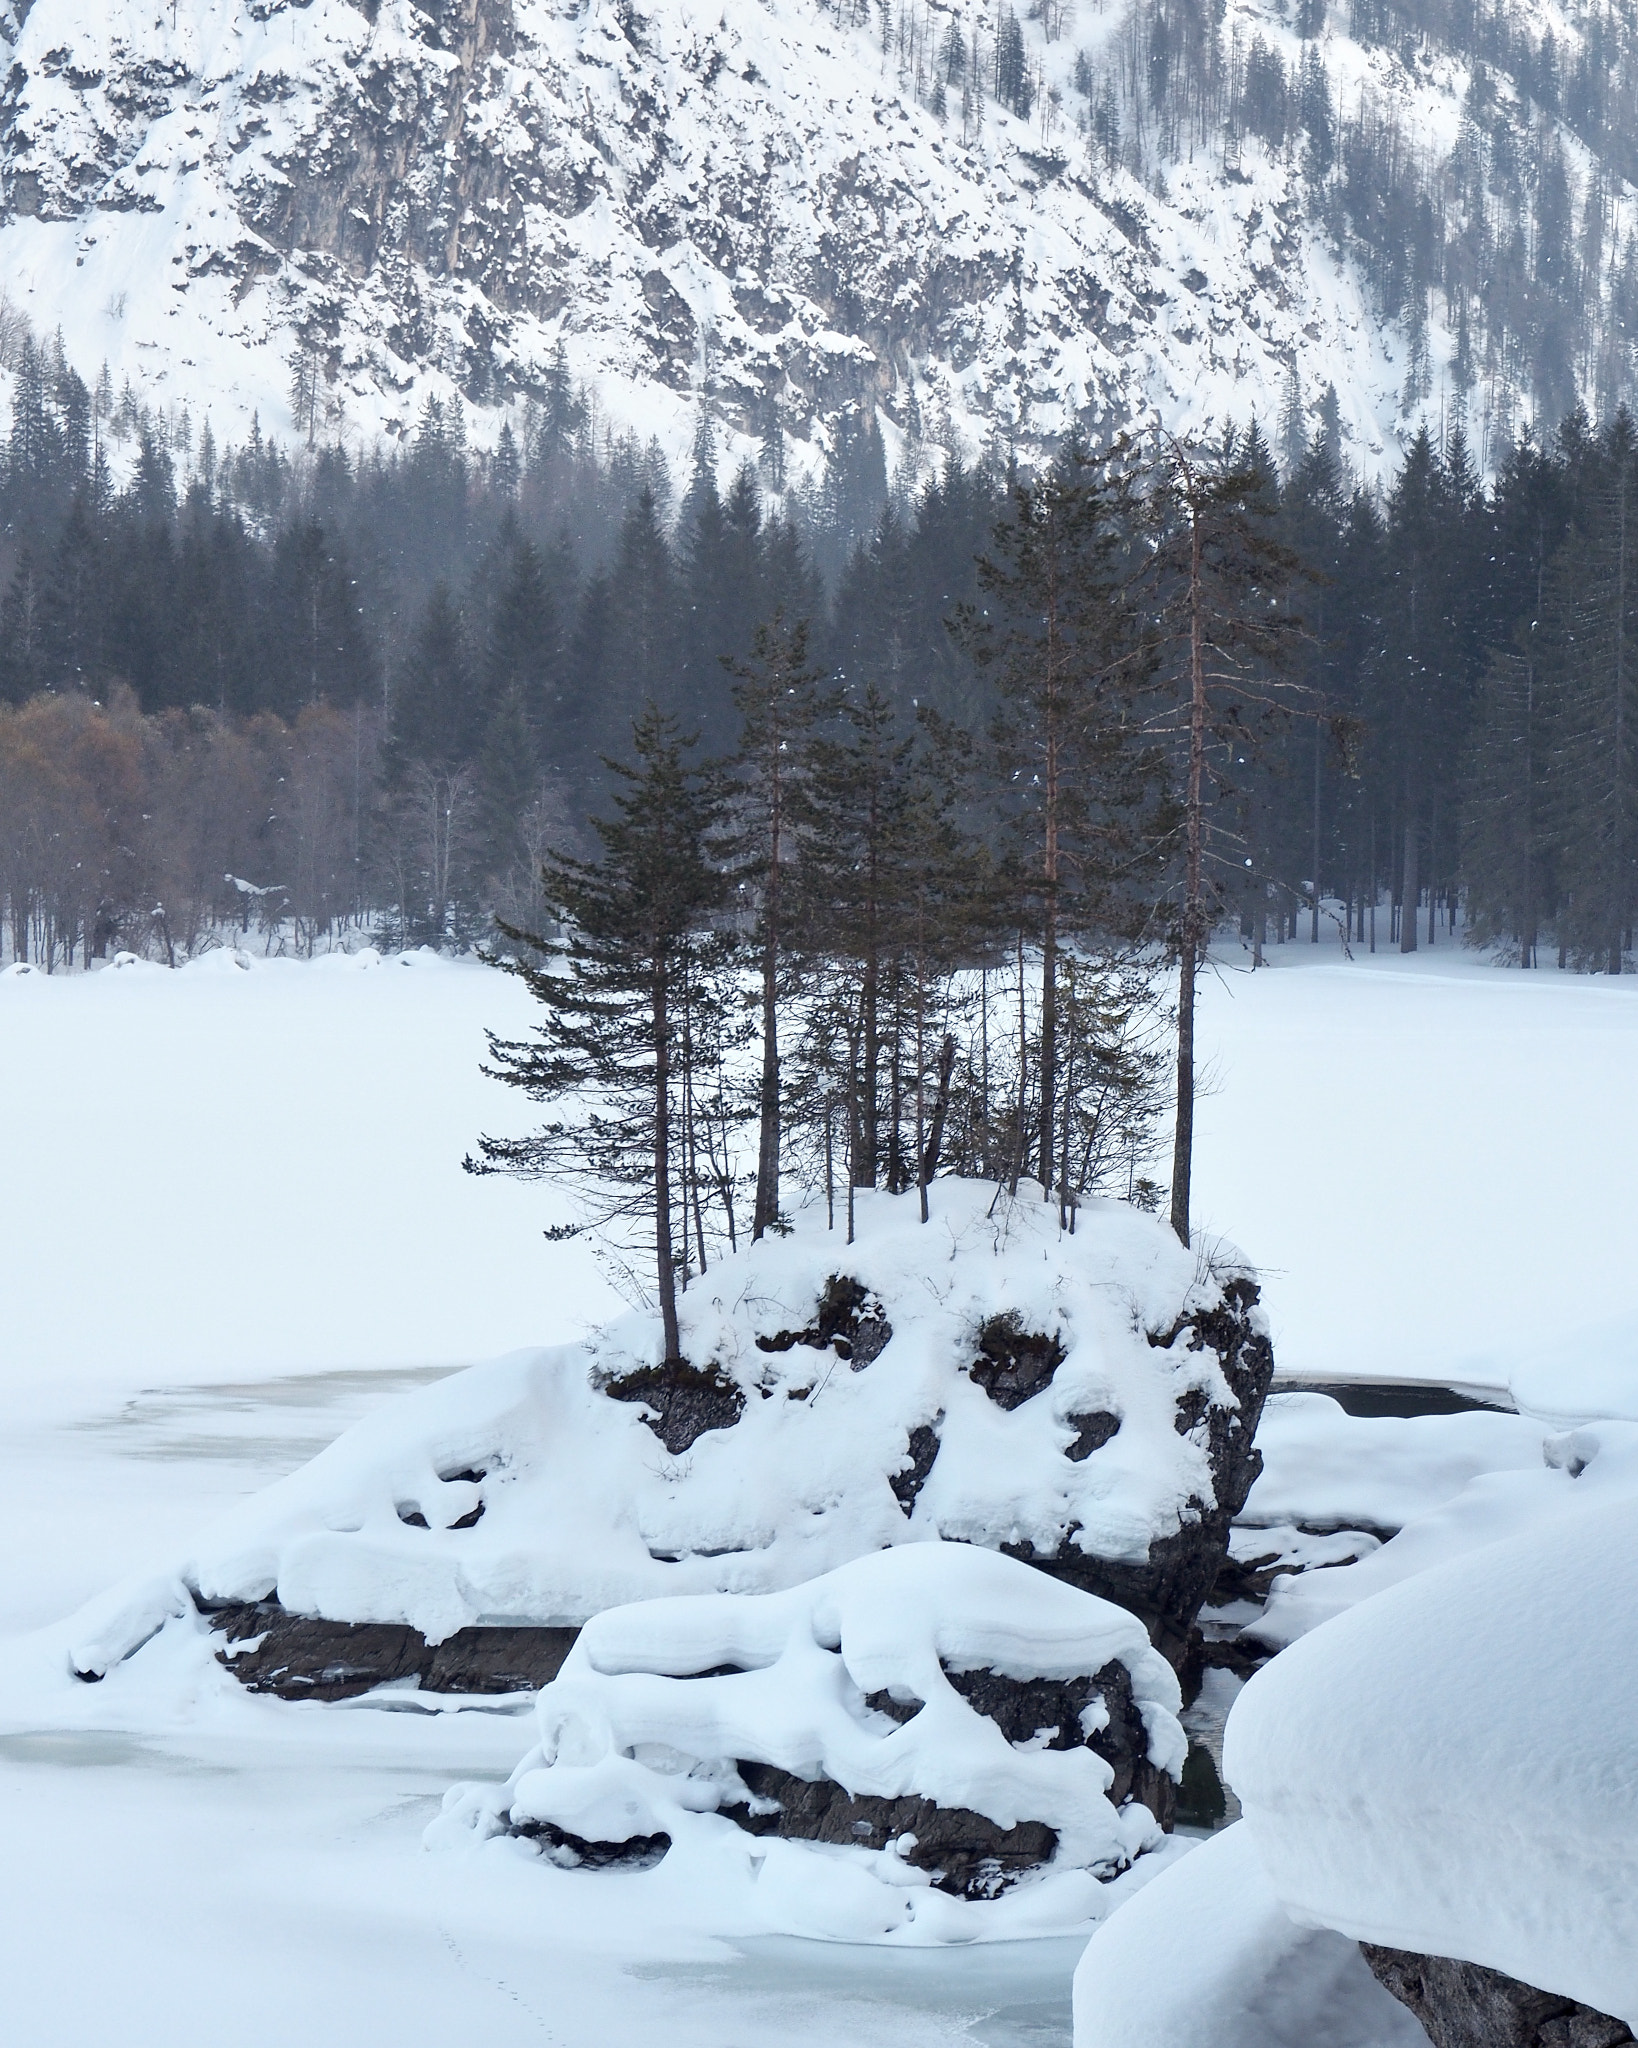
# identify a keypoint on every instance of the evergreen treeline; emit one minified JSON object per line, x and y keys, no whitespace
{"x":461,"y":638}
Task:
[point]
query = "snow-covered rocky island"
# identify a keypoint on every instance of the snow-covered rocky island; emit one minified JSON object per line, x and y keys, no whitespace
{"x":900,"y":1609}
{"x":900,"y":1566}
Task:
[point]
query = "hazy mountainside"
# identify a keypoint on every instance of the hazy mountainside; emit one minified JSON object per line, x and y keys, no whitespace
{"x":985,"y":227}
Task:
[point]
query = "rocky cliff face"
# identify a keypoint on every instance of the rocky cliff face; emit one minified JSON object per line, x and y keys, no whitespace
{"x":766,"y":207}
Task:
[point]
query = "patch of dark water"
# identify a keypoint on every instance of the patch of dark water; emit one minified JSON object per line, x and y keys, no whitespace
{"x":1374,"y":1399}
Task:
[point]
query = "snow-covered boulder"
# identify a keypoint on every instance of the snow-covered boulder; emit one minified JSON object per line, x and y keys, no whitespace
{"x":1084,"y":1402}
{"x":1449,"y":1769}
{"x":934,"y":1724}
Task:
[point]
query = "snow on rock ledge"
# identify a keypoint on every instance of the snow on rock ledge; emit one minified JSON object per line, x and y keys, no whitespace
{"x":1450,"y":1768}
{"x":1086,"y":1403}
{"x":923,"y":1738}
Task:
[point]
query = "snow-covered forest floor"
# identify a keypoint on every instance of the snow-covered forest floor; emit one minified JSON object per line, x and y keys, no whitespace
{"x":235,"y":1219}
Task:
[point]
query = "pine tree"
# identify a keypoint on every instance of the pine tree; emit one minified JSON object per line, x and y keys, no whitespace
{"x":609,"y":1042}
{"x":643,"y":658}
{"x":435,"y":702}
{"x":850,"y":894}
{"x":522,"y":650}
{"x":777,"y":695}
{"x":1076,"y":788}
{"x":1592,"y":648}
{"x":1221,"y":581}
{"x":1505,"y":840}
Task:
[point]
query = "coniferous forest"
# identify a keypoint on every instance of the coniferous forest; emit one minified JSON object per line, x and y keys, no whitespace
{"x":304,"y":691}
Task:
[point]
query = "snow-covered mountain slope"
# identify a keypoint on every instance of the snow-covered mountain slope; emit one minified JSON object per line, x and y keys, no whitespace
{"x":783,"y":212}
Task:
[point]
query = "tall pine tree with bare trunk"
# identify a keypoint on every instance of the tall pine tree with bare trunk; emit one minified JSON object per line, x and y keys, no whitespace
{"x":779,"y":699}
{"x":1224,"y":630}
{"x":1076,"y":783}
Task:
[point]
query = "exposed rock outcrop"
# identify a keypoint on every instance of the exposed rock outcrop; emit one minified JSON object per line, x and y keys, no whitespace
{"x":683,"y":1401}
{"x":301,"y":1657}
{"x":1168,"y":1589}
{"x":1463,"y":2005}
{"x":849,"y":1320}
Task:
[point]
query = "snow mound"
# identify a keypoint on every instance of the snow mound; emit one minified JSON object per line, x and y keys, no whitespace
{"x":1569,"y":1472}
{"x":1326,"y":1469}
{"x":1451,"y":1767}
{"x":855,"y":1745}
{"x":1084,"y":1401}
{"x":1208,"y":1954}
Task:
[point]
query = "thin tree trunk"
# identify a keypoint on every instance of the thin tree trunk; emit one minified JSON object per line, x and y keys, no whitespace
{"x":1313,"y":935}
{"x":984,"y":1058}
{"x":830,"y":1163}
{"x":666,"y":1275}
{"x":941,"y":1108}
{"x":1433,"y":892}
{"x":1183,"y":1135}
{"x":1019,"y":1140}
{"x":1375,"y":885}
{"x":921,"y":1087}
{"x":1410,"y":889}
{"x":1620,"y":761}
{"x":767,"y":1148}
{"x":867,"y":1158}
{"x":1049,"y":1040}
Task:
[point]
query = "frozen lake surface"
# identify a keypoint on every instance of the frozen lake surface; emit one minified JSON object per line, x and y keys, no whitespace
{"x":235,"y":1219}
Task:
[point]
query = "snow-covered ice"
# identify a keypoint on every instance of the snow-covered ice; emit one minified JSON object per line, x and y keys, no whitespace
{"x":1596,"y":1463}
{"x":235,"y":1222}
{"x":1323,"y":1468}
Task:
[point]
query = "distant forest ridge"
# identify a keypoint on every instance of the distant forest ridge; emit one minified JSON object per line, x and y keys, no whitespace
{"x":334,"y":690}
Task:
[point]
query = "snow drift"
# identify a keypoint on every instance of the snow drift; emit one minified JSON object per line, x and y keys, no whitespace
{"x":1208,"y":1954}
{"x":1451,"y":1767}
{"x":1504,"y":1498}
{"x":911,"y":1742}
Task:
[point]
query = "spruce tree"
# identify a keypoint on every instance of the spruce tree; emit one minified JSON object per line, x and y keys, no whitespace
{"x":1592,"y":609}
{"x":1075,"y":784}
{"x":1506,"y":845}
{"x":850,"y":894}
{"x":610,"y":1049}
{"x":1221,"y":582}
{"x":777,"y":695}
